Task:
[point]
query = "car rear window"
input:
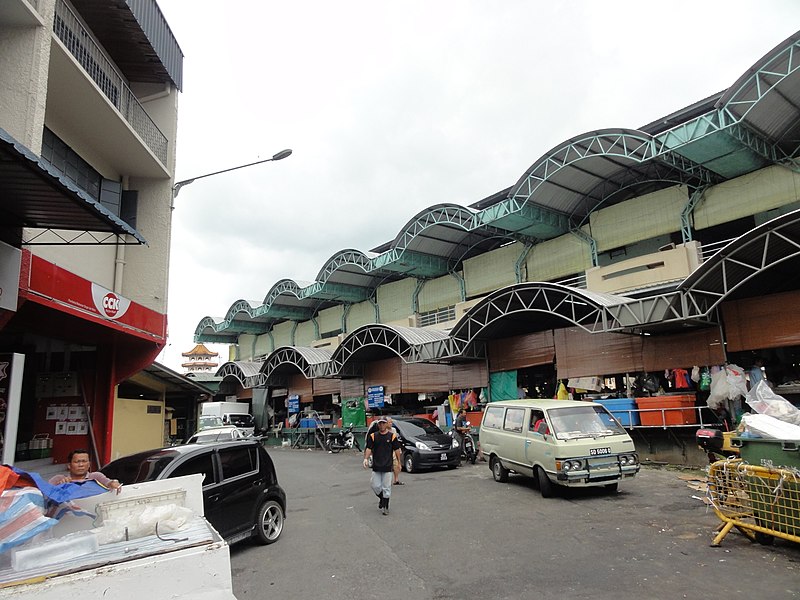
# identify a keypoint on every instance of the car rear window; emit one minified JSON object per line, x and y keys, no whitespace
{"x":238,"y":461}
{"x":202,"y":464}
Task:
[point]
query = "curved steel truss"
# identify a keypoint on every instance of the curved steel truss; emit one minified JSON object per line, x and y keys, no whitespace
{"x":310,"y":362}
{"x":586,"y":310}
{"x":743,"y":95}
{"x":744,"y":258}
{"x":246,"y":373}
{"x":410,"y":344}
{"x":632,"y":145}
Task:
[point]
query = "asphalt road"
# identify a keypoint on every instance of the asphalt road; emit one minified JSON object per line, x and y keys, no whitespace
{"x":459,"y":534}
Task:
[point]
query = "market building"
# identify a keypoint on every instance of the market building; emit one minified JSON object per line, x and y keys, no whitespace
{"x":621,"y":256}
{"x":87,"y":155}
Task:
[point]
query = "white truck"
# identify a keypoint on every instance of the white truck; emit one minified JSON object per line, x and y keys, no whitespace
{"x":80,"y":559}
{"x":231,"y":413}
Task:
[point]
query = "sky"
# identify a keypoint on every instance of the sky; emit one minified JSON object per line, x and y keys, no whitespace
{"x":392,"y":107}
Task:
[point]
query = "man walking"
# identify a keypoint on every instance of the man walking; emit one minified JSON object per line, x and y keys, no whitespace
{"x":381,"y":446}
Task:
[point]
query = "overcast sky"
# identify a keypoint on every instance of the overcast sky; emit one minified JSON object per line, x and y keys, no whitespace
{"x":393,"y":107}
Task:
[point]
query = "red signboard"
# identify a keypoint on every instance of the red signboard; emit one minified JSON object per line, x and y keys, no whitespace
{"x":52,"y":285}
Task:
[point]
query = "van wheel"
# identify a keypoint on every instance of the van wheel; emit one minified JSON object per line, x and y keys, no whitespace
{"x":269,"y":522}
{"x":499,"y":472}
{"x":408,"y":462}
{"x":545,"y":485}
{"x":612,"y":487}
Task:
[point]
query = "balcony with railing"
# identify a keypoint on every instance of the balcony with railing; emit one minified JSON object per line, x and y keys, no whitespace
{"x":99,"y":68}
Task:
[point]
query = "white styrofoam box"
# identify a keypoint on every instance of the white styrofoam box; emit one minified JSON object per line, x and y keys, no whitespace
{"x":31,"y":556}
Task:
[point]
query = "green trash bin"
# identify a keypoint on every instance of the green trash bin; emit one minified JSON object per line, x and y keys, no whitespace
{"x":353,"y":412}
{"x":768,"y":453}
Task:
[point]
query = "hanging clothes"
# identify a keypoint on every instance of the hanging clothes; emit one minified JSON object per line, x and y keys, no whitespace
{"x":680,"y":379}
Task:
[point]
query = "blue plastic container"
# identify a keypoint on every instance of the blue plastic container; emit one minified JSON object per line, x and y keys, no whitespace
{"x":308,"y":423}
{"x":619,"y":407}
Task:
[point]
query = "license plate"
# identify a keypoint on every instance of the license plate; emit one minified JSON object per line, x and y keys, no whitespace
{"x":443,"y":456}
{"x":599,"y":451}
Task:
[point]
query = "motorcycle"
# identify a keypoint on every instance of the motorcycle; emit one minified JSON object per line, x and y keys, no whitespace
{"x":466,"y":443}
{"x":342,"y":440}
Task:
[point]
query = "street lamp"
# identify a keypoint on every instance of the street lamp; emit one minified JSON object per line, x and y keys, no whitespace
{"x":279,"y":156}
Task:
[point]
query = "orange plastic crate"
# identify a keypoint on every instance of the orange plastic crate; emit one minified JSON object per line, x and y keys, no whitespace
{"x":687,"y":416}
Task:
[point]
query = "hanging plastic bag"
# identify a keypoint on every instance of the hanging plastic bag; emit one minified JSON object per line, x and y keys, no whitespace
{"x":705,"y":380}
{"x":737,"y":382}
{"x":718,"y":390}
{"x":766,"y":402}
{"x":695,"y":376}
{"x":562,"y":394}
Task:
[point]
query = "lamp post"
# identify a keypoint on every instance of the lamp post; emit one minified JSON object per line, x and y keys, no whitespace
{"x":178,"y":185}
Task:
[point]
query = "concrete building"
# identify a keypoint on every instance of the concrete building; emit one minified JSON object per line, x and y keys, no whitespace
{"x":88,"y":117}
{"x":619,"y":253}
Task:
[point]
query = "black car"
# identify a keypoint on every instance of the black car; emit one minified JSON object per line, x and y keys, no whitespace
{"x":425,"y":445}
{"x":241,"y":495}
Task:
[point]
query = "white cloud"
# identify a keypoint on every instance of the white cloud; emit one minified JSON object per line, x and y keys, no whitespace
{"x":393,"y":107}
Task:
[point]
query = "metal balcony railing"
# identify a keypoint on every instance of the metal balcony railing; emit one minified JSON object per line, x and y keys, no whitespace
{"x":709,"y":250}
{"x":91,"y":57}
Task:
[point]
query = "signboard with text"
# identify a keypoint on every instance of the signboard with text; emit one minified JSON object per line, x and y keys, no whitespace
{"x":375,"y":396}
{"x":293,"y":404}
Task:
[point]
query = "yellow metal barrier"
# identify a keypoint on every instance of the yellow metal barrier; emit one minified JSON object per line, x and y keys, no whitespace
{"x":760,"y":502}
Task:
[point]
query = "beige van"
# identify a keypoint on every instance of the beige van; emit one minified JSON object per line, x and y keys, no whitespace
{"x":559,"y":442}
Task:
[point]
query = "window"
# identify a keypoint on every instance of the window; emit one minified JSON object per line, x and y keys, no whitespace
{"x":514,"y":419}
{"x":493,"y":417}
{"x":203,"y":465}
{"x":237,"y":461}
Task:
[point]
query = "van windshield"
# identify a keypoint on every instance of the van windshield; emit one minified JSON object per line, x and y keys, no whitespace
{"x":583,"y":422}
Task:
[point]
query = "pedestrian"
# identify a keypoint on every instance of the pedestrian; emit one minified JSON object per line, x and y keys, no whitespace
{"x":396,"y":464}
{"x":381,"y":446}
{"x":78,"y":466}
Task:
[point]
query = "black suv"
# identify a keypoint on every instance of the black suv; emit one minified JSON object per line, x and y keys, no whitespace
{"x":241,"y":495}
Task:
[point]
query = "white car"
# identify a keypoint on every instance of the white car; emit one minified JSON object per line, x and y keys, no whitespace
{"x":226,"y":433}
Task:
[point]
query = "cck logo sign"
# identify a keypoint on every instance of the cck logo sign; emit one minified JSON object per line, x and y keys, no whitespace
{"x":108,"y":304}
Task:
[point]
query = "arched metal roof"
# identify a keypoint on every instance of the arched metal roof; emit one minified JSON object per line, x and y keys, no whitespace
{"x":600,"y":167}
{"x":735,"y":270}
{"x":412,"y":344}
{"x":765,"y":97}
{"x":311,"y":362}
{"x":245,"y":372}
{"x":507,"y":312}
{"x":354,"y":268}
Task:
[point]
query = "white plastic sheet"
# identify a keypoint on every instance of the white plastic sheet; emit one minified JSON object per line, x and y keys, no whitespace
{"x":766,"y":402}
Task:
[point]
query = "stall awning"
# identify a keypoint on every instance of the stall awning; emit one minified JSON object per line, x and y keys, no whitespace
{"x":34,"y":195}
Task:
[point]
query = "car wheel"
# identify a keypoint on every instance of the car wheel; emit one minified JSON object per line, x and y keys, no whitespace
{"x":499,"y":472}
{"x":545,"y":485}
{"x":408,"y":462}
{"x":269,"y":522}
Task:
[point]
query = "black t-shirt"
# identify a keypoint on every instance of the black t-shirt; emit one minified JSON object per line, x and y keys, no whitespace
{"x":383,"y":446}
